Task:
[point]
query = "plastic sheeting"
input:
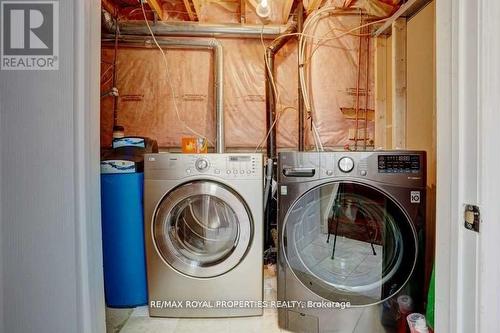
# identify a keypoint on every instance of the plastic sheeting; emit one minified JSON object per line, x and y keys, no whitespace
{"x":146,"y":104}
{"x":376,"y":8}
{"x":220,"y":12}
{"x":333,"y":81}
{"x":229,"y":11}
{"x":172,"y":10}
{"x":141,"y":75}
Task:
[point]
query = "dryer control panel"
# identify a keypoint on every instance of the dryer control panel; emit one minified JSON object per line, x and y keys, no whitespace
{"x":227,"y":166}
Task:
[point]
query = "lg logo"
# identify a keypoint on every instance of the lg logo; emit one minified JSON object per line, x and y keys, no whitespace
{"x":29,"y":35}
{"x":415,"y":196}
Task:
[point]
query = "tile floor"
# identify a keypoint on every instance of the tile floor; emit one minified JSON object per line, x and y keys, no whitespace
{"x":138,"y":321}
{"x":354,"y":261}
{"x":354,"y":264}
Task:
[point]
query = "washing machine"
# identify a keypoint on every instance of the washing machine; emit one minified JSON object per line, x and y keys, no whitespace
{"x":204,"y":234}
{"x":351,"y":231}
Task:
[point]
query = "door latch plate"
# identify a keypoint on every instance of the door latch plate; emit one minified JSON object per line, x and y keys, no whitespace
{"x":472,"y":217}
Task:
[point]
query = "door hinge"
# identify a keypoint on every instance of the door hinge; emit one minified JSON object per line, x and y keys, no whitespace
{"x":472,"y":217}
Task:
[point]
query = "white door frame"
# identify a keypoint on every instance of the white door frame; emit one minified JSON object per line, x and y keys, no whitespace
{"x":468,"y":85}
{"x":467,"y":265}
{"x":446,"y":235}
{"x":488,"y":171}
{"x":90,"y":283}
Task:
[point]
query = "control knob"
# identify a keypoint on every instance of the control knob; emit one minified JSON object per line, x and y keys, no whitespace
{"x":346,"y":164}
{"x":201,"y":164}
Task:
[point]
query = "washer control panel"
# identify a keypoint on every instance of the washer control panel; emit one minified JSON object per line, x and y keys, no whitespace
{"x":241,"y":165}
{"x":228,"y":166}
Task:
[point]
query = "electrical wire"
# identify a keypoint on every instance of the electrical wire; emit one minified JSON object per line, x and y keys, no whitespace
{"x":177,"y":112}
{"x":108,"y":80}
{"x":275,"y":91}
{"x":303,"y":73}
{"x":367,"y":90}
{"x":115,"y":75}
{"x":315,"y":131}
{"x":268,"y":68}
{"x":346,"y":32}
{"x":278,"y":116}
{"x":356,"y":133}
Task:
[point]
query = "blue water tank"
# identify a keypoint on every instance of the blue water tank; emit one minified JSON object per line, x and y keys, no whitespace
{"x":122,"y":181}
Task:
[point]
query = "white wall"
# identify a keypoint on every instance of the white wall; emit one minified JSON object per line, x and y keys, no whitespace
{"x":48,"y":163}
{"x":1,"y":257}
{"x":38,"y":231}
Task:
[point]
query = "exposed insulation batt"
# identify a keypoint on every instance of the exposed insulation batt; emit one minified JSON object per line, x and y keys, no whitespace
{"x":146,"y":108}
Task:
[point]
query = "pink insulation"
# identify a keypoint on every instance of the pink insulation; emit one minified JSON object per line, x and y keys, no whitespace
{"x":229,"y":11}
{"x":333,"y":81}
{"x":220,"y":12}
{"x":146,"y":104}
{"x":376,"y":8}
{"x":141,"y":72}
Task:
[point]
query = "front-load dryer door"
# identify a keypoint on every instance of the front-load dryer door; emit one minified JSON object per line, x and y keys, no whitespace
{"x":202,"y":229}
{"x":349,"y":242}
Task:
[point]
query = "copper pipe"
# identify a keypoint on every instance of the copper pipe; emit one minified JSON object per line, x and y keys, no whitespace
{"x":367,"y":90}
{"x":357,"y":87}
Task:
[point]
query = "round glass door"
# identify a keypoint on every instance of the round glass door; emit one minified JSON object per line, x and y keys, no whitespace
{"x":202,"y":229}
{"x":349,"y":242}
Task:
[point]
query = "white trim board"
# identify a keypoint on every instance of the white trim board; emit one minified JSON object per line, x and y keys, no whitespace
{"x":446,"y":235}
{"x":468,"y":85}
{"x":90,"y":284}
{"x":489,"y":160}
{"x":454,"y":77}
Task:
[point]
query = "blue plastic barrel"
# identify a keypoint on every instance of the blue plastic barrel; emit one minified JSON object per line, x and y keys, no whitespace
{"x":123,"y":239}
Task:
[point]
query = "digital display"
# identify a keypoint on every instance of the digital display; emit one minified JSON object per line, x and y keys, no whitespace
{"x":239,"y":158}
{"x":399,"y":164}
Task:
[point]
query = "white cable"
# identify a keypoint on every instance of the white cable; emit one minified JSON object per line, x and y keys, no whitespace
{"x":168,"y":78}
{"x":303,"y":74}
{"x":278,"y":116}
{"x":277,"y":101}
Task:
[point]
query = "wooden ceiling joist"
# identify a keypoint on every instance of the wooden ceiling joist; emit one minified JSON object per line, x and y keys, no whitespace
{"x":157,"y":7}
{"x":110,"y":7}
{"x":287,"y":8}
{"x":243,"y":9}
{"x":192,"y":15}
{"x":197,"y":7}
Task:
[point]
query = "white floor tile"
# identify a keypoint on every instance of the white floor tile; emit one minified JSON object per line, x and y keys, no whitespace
{"x":140,"y":322}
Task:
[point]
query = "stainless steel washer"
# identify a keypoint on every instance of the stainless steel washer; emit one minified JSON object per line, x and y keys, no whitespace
{"x":204,"y":234}
{"x":351,"y":230}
